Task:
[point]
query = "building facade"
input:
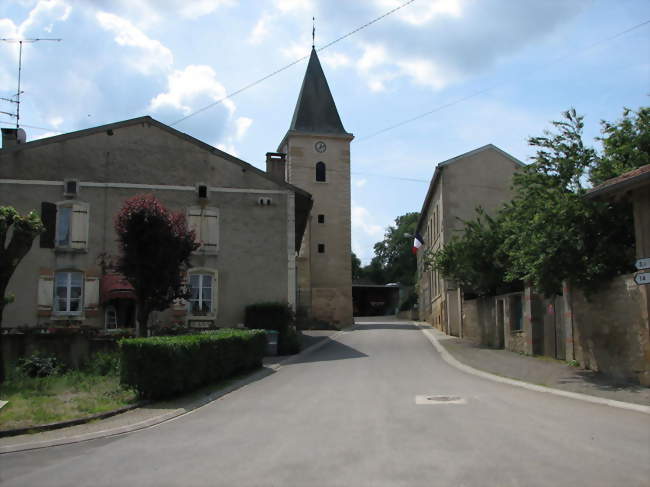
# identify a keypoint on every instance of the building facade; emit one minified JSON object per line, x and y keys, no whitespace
{"x":250,"y":226}
{"x":482,"y":177}
{"x":317,"y":150}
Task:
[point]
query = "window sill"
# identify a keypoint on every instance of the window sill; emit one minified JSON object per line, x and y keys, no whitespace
{"x":516,"y":332}
{"x":67,"y":317}
{"x":69,"y":250}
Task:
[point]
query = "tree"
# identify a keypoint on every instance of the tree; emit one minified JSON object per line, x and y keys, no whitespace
{"x":394,"y":255}
{"x":22,"y":230}
{"x":626,"y":145}
{"x":356,"y":267}
{"x":155,"y":245}
{"x":475,"y":260}
{"x":551,"y":232}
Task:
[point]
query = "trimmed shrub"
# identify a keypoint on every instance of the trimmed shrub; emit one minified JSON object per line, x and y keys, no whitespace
{"x":275,"y":316}
{"x":161,"y":367}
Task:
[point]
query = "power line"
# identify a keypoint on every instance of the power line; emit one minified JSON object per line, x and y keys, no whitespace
{"x":284,"y":68}
{"x":485,"y":90}
{"x":7,"y":122}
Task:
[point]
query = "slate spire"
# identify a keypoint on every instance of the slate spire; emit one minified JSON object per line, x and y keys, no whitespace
{"x":316,"y":111}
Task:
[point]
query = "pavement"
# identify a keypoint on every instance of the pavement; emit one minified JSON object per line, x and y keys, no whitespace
{"x":376,"y":405}
{"x":540,"y":371}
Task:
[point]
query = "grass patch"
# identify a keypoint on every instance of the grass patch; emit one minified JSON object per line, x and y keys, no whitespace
{"x":75,"y":394}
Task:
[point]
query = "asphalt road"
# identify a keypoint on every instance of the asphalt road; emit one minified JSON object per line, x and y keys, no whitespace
{"x":346,"y":415}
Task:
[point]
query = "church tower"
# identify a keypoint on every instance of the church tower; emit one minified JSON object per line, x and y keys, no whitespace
{"x":317,"y":149}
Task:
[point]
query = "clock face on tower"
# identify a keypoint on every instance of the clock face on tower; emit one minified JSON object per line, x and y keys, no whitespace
{"x":320,"y":146}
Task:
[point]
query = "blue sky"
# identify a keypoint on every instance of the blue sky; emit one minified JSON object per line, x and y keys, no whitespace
{"x":528,"y":59}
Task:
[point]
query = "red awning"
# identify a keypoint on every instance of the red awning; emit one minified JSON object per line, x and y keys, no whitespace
{"x":115,"y":286}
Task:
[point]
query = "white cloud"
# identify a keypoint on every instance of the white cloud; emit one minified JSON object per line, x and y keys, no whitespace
{"x":242,"y":124}
{"x":44,"y":12}
{"x":198,"y":8}
{"x":228,"y":147}
{"x":190,"y":89}
{"x":55,"y":122}
{"x":360,"y":183}
{"x":423,"y":72}
{"x":293,"y":5}
{"x":374,"y":55}
{"x":261,"y":29}
{"x":420,"y":13}
{"x":296,"y":50}
{"x":361,"y":220}
{"x":336,"y":60}
{"x":153,"y":54}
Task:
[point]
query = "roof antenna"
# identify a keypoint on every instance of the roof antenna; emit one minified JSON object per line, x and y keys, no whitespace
{"x":20,"y":65}
{"x":313,"y":31}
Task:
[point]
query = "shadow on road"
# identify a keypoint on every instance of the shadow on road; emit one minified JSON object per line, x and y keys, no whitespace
{"x":332,"y":351}
{"x":385,"y":326}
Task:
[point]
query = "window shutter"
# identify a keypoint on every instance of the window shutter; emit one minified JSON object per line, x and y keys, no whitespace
{"x":48,"y":217}
{"x":210,"y":230}
{"x":45,"y":294}
{"x":79,"y":226}
{"x":91,"y":293}
{"x":194,"y":222}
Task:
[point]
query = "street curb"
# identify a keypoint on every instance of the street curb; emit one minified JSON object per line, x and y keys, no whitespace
{"x":451,"y":360}
{"x":177,"y":413}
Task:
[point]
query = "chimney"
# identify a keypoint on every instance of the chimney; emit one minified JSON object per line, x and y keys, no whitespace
{"x":12,"y":137}
{"x":275,"y":165}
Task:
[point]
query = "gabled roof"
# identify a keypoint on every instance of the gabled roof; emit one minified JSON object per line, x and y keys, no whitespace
{"x":441,"y":165}
{"x":315,"y":110}
{"x":304,"y":200}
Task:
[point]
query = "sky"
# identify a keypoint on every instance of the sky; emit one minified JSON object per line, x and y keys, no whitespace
{"x":471,"y":72}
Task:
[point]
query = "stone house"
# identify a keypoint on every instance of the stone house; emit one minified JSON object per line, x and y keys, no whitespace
{"x":250,"y":225}
{"x":482,"y":177}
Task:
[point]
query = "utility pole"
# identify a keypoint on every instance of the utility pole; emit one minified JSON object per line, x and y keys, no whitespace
{"x":20,"y":65}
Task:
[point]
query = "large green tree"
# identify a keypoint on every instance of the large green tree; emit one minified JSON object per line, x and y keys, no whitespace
{"x":16,"y":236}
{"x":394,"y":260}
{"x":626,"y":145}
{"x":156,"y":246}
{"x":475,"y":259}
{"x":552,"y":233}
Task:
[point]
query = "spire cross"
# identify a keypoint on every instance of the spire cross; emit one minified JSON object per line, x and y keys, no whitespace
{"x":313,"y":31}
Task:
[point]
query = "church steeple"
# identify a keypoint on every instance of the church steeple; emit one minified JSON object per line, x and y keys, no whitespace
{"x":315,"y":110}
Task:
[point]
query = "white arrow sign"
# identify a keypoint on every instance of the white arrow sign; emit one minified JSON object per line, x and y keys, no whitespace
{"x":642,"y":278}
{"x":643,"y":264}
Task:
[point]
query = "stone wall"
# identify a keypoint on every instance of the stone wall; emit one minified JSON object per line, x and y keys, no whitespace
{"x":610,"y":333}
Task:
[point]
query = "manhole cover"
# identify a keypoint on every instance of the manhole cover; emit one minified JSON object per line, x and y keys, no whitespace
{"x":439,"y":399}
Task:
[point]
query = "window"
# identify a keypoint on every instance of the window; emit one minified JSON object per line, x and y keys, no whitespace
{"x":200,"y":302}
{"x":321,"y":218}
{"x":321,"y":248}
{"x":320,"y":172}
{"x":68,"y":293}
{"x":66,"y":225}
{"x":205,"y":223}
{"x":110,"y":318}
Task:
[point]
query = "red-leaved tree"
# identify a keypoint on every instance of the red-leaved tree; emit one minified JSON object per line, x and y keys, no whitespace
{"x":155,"y":245}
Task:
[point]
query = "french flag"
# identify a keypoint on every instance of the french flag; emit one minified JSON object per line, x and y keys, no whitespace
{"x":417,"y":242}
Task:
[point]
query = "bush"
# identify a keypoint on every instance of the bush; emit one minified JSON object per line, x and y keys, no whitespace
{"x":410,"y":301}
{"x":289,"y":341}
{"x":39,"y":365}
{"x":160,"y":367}
{"x":104,"y":363}
{"x":275,"y":316}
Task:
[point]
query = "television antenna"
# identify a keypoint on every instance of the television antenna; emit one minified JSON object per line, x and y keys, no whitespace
{"x":16,"y":98}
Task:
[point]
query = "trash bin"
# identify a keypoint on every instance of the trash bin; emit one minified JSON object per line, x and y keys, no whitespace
{"x":271,"y":342}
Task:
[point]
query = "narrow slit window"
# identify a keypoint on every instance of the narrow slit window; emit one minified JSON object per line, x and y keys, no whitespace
{"x":321,"y":172}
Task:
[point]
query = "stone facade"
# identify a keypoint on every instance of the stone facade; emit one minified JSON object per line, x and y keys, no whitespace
{"x":248,"y":223}
{"x":481,"y":177}
{"x":317,"y":150}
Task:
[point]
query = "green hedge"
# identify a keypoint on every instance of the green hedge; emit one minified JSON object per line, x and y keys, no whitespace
{"x":160,"y":367}
{"x":278,"y":317}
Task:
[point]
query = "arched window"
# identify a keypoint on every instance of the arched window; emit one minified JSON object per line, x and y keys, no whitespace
{"x":320,"y":171}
